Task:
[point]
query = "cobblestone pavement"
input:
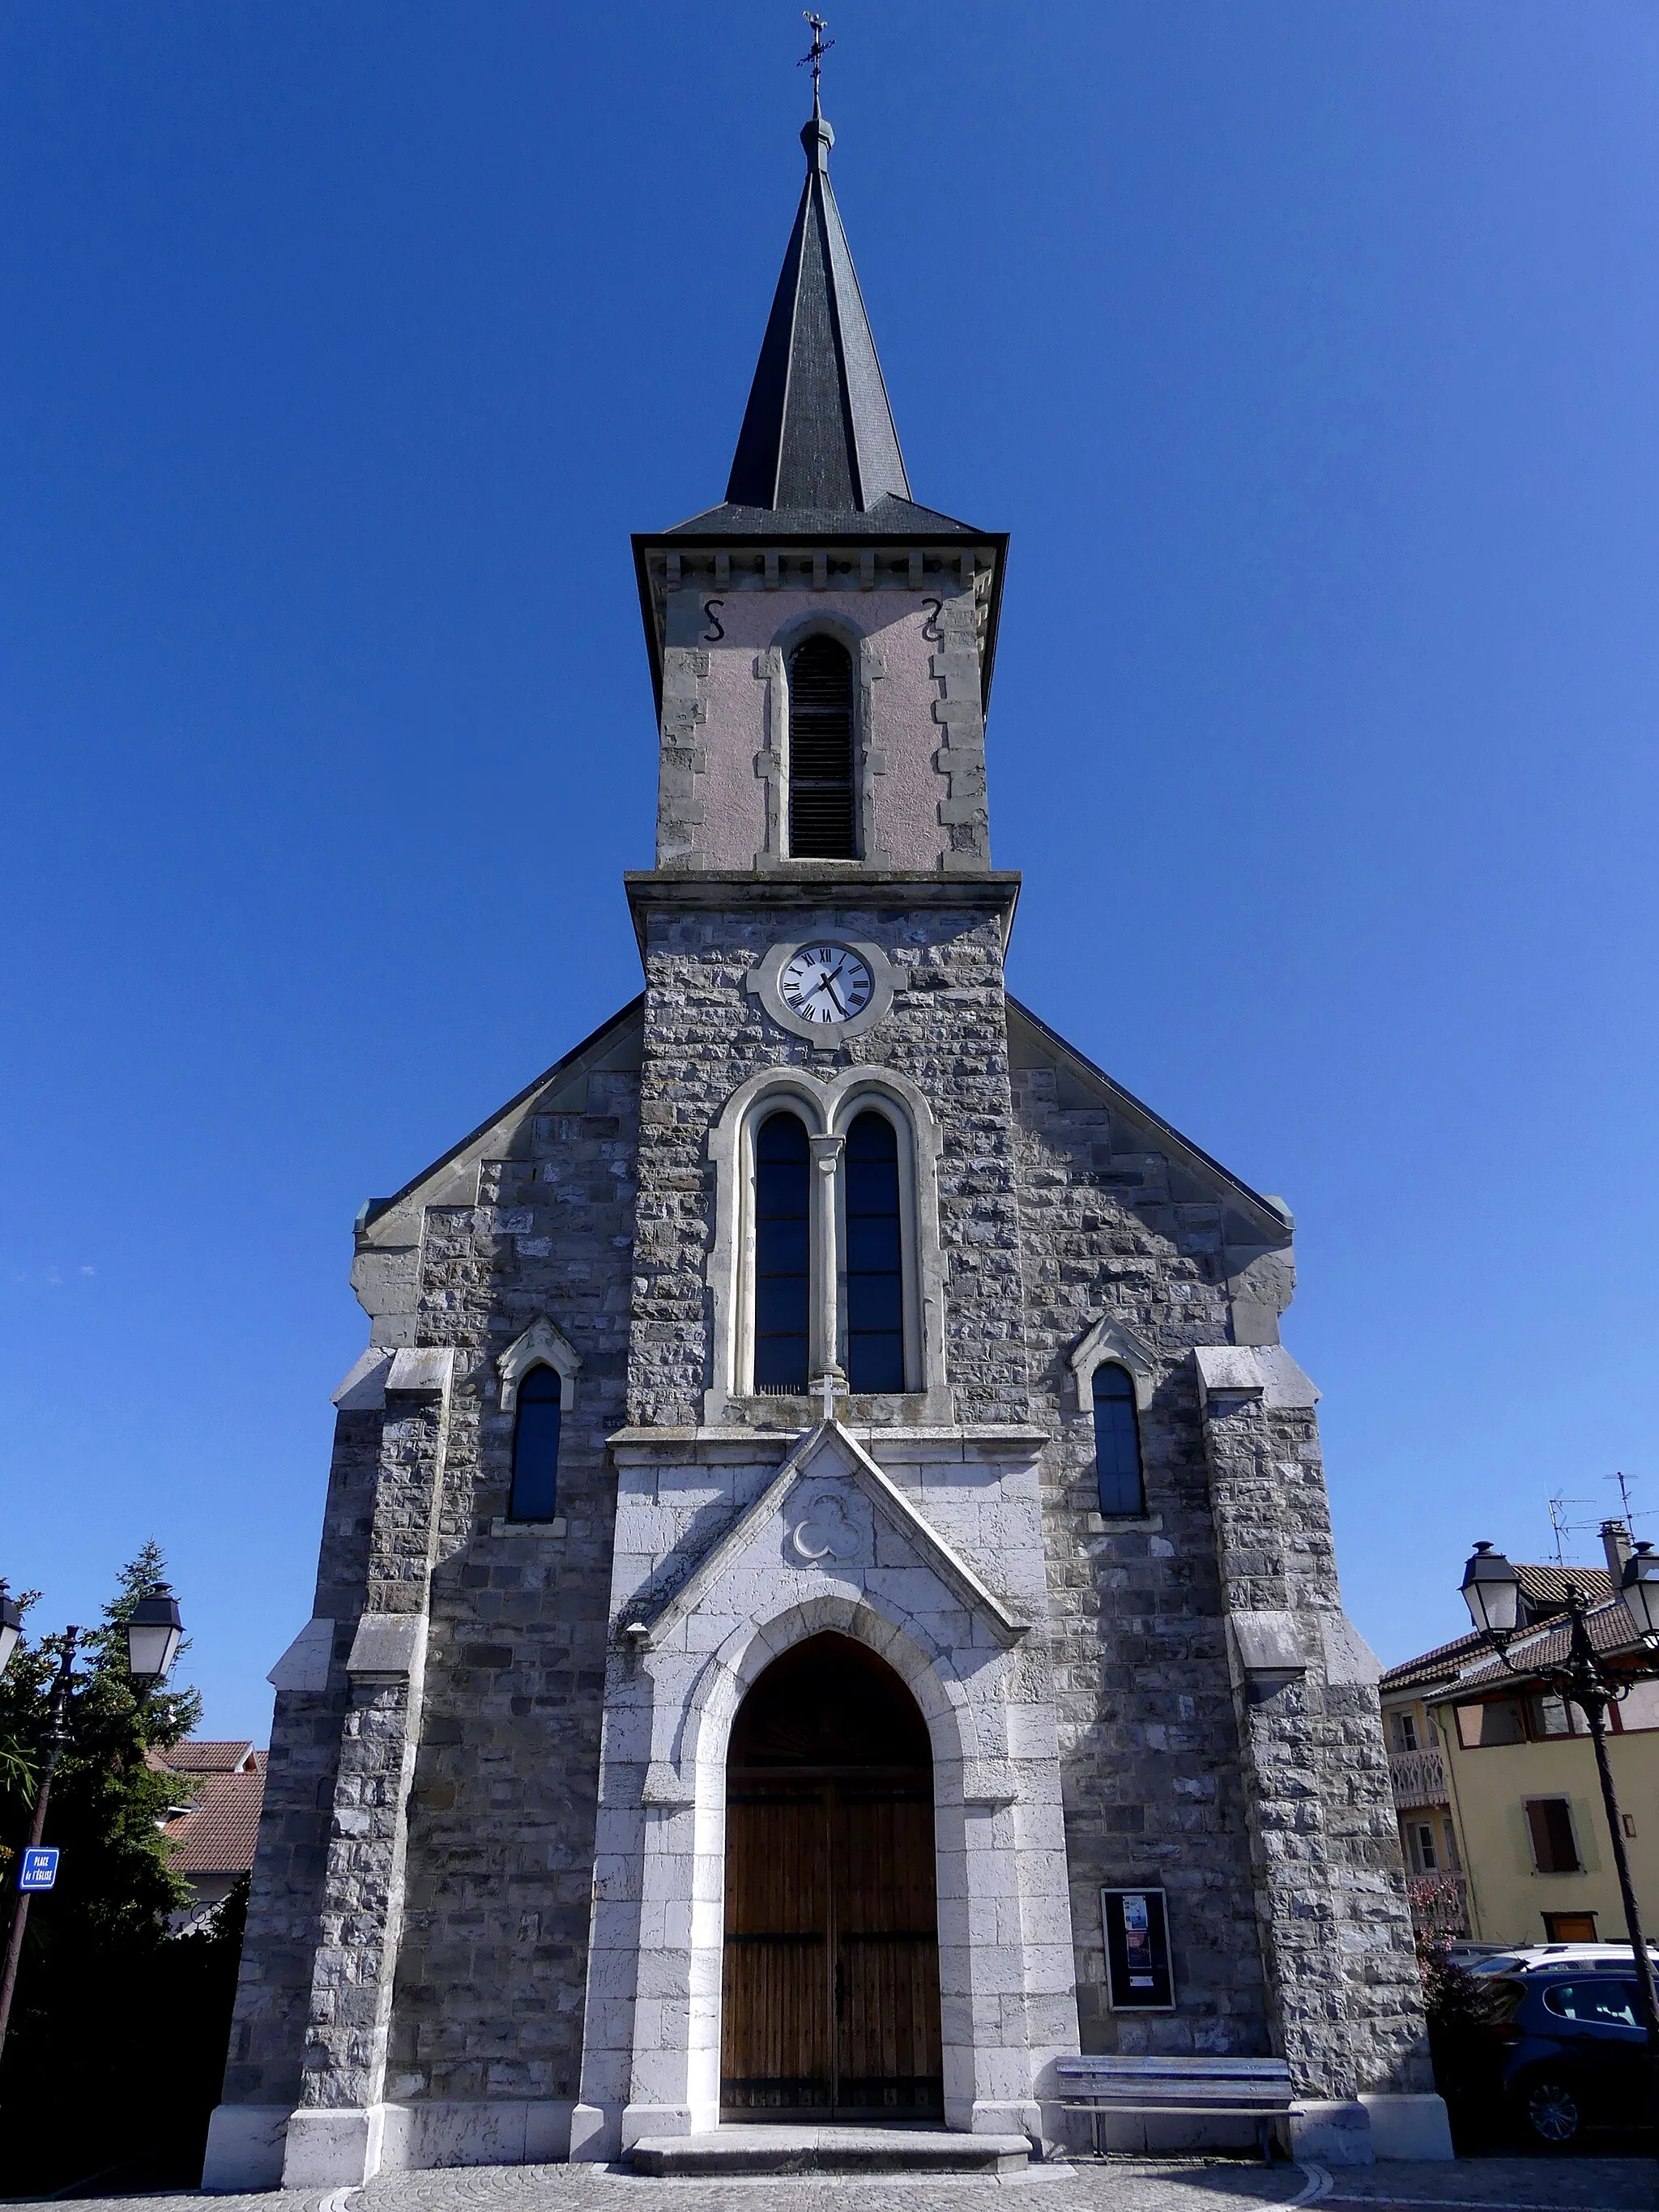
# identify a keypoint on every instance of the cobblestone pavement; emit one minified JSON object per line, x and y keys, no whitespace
{"x":1531,"y":2185}
{"x":1118,"y":2184}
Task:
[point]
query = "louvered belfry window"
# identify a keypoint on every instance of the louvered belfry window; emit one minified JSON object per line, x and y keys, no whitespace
{"x":821,"y":751}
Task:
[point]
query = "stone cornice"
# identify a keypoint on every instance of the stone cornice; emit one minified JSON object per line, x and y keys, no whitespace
{"x":947,"y":1445}
{"x":977,"y":558}
{"x":802,"y":886}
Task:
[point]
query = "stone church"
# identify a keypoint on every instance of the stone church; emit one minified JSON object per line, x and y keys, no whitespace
{"x":826,"y":1607}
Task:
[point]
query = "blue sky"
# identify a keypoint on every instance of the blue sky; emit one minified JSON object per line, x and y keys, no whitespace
{"x":1308,"y":353}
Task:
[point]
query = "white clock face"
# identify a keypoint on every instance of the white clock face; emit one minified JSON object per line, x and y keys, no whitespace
{"x":826,"y":983}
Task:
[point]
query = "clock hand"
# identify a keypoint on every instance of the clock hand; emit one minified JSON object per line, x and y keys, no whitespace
{"x":829,"y":986}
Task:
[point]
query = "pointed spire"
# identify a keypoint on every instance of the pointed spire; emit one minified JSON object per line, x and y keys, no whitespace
{"x":817,"y":433}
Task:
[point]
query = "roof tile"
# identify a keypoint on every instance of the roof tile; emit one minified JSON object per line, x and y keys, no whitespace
{"x":219,"y":1832}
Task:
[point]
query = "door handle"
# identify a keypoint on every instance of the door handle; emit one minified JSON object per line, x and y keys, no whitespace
{"x":840,"y":1992}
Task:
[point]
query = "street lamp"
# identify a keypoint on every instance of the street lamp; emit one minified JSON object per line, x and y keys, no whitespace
{"x":1639,"y":1589}
{"x":1491,"y":1591}
{"x":11,"y":1626}
{"x":154,"y":1632}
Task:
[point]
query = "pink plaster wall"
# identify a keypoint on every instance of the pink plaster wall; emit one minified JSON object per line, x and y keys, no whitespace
{"x":732,"y":796}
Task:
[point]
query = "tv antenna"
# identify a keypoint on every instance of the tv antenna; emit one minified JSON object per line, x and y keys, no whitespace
{"x":1626,"y":1488}
{"x":1562,"y":1526}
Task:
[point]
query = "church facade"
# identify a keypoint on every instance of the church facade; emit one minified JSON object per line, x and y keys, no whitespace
{"x":826,"y":1604}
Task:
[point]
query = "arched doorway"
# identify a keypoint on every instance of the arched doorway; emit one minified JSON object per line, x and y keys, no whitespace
{"x":829,"y":2000}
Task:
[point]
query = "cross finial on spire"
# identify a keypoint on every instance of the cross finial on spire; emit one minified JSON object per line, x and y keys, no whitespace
{"x":820,"y":47}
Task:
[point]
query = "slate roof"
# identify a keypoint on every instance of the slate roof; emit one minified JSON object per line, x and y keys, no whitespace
{"x":818,"y":452}
{"x":888,"y":517}
{"x":218,"y":1832}
{"x":818,"y":432}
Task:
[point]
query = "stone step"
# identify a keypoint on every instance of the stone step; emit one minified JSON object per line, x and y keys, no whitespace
{"x":766,"y":2147}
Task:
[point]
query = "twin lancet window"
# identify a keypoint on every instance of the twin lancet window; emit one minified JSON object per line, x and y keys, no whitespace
{"x":820,"y":810}
{"x":790,"y":1342}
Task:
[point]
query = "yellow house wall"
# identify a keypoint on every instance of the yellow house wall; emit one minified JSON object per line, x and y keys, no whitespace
{"x":1489,"y":1786}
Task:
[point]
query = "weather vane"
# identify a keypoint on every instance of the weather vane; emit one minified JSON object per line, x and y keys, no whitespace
{"x":820,"y":47}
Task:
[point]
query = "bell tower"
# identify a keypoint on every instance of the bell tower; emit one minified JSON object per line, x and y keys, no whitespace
{"x":823,"y":899}
{"x":828,"y":1422}
{"x":818,"y":538}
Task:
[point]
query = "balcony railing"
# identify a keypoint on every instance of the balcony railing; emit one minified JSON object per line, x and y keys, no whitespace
{"x":1439,"y":1903}
{"x":1419,"y":1777}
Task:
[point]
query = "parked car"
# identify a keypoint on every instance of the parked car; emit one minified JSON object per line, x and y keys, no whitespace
{"x":1571,"y":2052}
{"x":1531,"y":1957}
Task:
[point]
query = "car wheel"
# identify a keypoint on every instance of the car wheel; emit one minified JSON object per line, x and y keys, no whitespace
{"x":1552,"y":2112}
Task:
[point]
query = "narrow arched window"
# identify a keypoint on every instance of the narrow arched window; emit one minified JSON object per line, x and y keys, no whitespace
{"x":821,"y":751}
{"x":782,"y":1259}
{"x":875,"y":1265}
{"x":1117,"y":1443}
{"x":536,"y":1447}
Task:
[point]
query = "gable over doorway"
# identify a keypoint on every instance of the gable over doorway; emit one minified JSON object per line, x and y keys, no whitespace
{"x":831,"y":2000}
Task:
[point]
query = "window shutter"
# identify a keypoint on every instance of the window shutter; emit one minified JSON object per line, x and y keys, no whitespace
{"x":1550,"y":1821}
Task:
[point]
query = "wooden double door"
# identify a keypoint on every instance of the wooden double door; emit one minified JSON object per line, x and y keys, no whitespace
{"x":829,"y":2002}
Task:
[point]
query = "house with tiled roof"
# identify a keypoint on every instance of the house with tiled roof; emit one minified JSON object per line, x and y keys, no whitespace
{"x":214,"y":1827}
{"x":1494,"y":1782}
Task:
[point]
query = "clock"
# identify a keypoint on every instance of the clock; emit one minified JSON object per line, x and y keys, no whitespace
{"x":826,"y":984}
{"x":826,"y":989}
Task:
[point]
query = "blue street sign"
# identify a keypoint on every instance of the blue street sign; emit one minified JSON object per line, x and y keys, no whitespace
{"x":39,"y":1869}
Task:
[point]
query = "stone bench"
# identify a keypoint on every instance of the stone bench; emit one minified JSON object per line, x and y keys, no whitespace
{"x":1257,"y":2089}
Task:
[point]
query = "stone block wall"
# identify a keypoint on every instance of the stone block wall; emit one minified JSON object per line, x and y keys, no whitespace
{"x":496,"y":1857}
{"x":1262,"y":1806}
{"x":1150,"y":1752}
{"x":705,"y":1035}
{"x":501,"y":1814}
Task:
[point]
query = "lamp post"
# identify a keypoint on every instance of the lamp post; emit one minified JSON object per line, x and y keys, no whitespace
{"x":58,"y":1734}
{"x":154,"y":1632}
{"x":1491,"y":1591}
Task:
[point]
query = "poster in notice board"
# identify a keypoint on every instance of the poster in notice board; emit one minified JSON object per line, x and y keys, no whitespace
{"x":1138,"y":1976}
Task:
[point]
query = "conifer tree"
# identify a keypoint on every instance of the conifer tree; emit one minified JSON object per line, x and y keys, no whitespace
{"x":118,"y":2027}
